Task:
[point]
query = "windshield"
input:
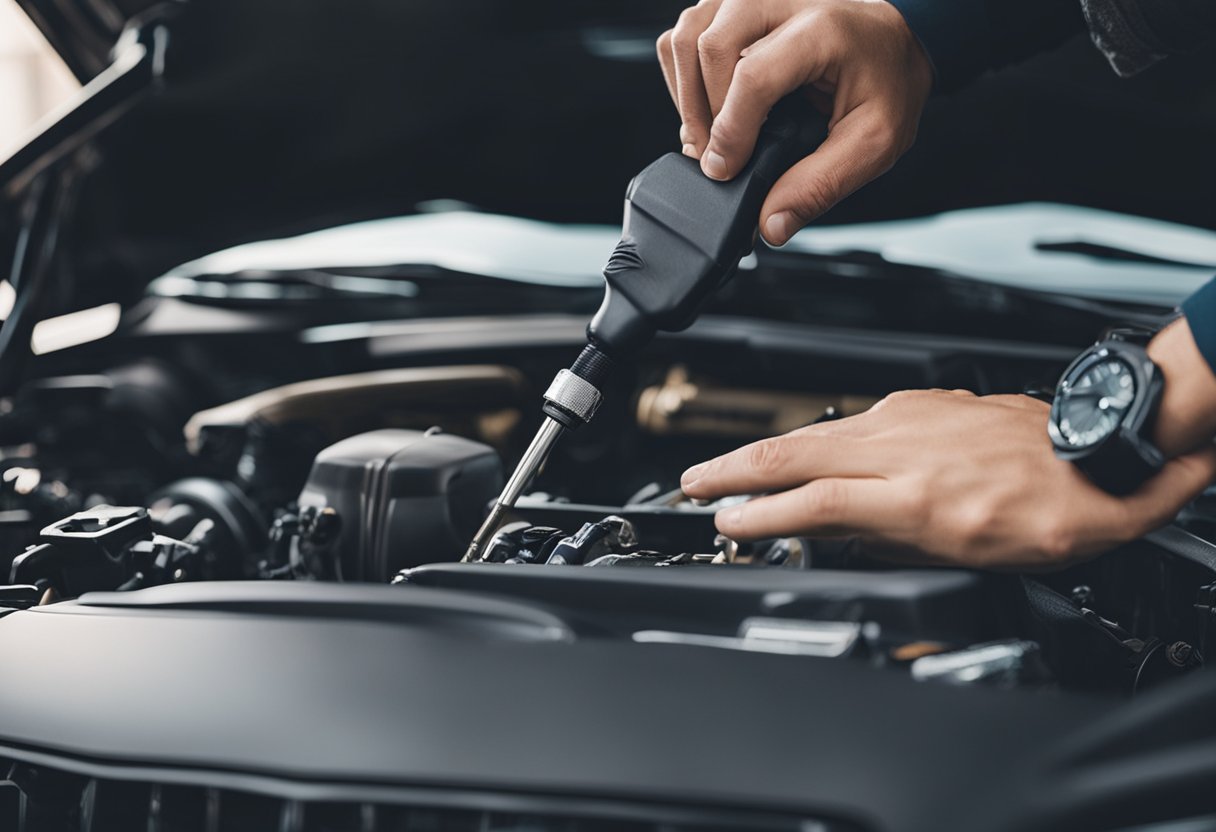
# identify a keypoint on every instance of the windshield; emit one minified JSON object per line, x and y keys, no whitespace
{"x":1044,"y":247}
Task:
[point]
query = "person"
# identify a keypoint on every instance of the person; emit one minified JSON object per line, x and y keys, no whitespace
{"x":938,"y":475}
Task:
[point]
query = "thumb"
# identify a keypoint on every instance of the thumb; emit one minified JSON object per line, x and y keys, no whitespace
{"x":860,"y":147}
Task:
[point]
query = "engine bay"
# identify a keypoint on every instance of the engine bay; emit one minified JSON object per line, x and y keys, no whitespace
{"x":381,"y":476}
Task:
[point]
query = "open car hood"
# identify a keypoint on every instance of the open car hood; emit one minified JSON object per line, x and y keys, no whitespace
{"x":287,"y":116}
{"x":83,"y":31}
{"x":274,"y":118}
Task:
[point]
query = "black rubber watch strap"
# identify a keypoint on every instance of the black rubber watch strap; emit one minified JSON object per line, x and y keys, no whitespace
{"x":1119,"y":468}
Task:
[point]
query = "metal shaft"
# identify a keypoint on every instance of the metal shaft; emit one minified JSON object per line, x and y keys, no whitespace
{"x":529,"y":464}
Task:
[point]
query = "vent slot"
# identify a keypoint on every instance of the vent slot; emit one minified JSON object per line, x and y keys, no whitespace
{"x":47,"y":800}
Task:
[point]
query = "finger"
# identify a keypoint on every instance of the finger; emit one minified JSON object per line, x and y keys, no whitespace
{"x":667,"y":63}
{"x":771,"y":69}
{"x":737,"y":25}
{"x":1160,"y":499}
{"x":860,"y":147}
{"x":823,"y":508}
{"x":690,"y":88}
{"x":779,"y":463}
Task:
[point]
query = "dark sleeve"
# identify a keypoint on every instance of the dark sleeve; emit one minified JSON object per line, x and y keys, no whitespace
{"x":1134,"y":34}
{"x":965,"y":38}
{"x":1200,"y":312}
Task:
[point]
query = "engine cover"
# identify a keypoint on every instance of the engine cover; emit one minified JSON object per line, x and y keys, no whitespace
{"x":398,"y":498}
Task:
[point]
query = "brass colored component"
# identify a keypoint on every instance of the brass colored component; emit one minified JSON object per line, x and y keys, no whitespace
{"x":480,"y":400}
{"x":682,"y":406}
{"x":916,"y":649}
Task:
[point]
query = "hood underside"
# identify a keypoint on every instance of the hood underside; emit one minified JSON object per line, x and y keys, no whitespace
{"x":277,"y":118}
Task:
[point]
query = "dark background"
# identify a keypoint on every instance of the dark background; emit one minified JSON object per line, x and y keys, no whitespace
{"x":285,"y":115}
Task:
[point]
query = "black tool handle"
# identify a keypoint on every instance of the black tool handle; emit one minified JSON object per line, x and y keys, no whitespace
{"x":684,"y":233}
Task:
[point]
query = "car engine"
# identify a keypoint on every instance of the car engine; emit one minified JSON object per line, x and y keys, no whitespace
{"x":383,"y":476}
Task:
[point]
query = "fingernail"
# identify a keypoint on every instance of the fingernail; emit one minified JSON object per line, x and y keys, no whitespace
{"x":689,"y":477}
{"x":713,"y":165}
{"x":689,"y":150}
{"x":779,"y":228}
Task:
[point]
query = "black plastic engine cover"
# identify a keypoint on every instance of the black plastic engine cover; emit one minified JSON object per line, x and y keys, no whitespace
{"x":948,"y":605}
{"x":402,"y":497}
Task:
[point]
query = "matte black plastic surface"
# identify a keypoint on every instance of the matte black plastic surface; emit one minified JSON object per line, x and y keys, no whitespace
{"x":257,"y":687}
{"x":402,"y":497}
{"x":684,"y":234}
{"x":374,"y":701}
{"x":915,"y":604}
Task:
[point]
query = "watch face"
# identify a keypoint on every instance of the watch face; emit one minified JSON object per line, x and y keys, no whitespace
{"x":1091,"y":403}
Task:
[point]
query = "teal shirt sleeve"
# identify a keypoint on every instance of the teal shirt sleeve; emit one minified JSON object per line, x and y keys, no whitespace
{"x":1200,"y":312}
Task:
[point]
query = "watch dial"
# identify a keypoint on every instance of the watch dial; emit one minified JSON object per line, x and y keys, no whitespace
{"x":1091,"y":405}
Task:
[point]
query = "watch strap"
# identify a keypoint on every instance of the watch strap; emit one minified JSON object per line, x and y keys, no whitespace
{"x":1122,"y":465}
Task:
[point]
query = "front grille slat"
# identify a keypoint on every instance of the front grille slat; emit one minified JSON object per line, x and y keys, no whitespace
{"x":40,"y":799}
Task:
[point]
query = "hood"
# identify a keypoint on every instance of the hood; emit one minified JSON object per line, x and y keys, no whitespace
{"x":286,"y":116}
{"x":280,"y":117}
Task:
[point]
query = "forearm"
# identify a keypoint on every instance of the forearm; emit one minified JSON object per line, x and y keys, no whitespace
{"x":1187,"y":415}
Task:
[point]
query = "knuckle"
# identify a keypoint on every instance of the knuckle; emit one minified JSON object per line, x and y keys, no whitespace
{"x":663,"y":44}
{"x":817,"y":194}
{"x":912,"y":504}
{"x":825,"y":499}
{"x":973,"y":525}
{"x":685,"y":34}
{"x":751,"y":75}
{"x":828,"y":24}
{"x":711,"y":44}
{"x":765,"y":457}
{"x":727,"y":135}
{"x":885,"y":138}
{"x":1056,"y":539}
{"x":683,"y":42}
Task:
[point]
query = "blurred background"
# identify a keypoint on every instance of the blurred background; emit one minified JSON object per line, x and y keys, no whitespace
{"x":283,"y":116}
{"x":33,"y":78}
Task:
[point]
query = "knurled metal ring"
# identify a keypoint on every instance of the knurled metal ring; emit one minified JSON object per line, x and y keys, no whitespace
{"x":574,"y":394}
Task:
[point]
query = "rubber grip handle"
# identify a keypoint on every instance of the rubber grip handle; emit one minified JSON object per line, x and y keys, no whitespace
{"x":684,"y":234}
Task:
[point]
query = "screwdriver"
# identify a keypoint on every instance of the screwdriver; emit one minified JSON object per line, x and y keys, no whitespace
{"x":682,"y":238}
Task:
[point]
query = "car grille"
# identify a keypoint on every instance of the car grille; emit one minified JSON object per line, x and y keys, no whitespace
{"x":48,"y":800}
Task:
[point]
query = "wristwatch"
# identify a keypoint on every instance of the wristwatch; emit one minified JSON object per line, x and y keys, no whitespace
{"x":1103,"y":412}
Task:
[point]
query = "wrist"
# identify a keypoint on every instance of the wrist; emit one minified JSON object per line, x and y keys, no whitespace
{"x":1186,"y":417}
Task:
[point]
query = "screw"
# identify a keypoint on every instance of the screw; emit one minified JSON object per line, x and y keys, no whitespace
{"x":1179,"y":653}
{"x":1082,"y":595}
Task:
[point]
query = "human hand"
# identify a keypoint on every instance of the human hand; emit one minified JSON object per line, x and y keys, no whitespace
{"x":956,"y":478}
{"x":727,"y":62}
